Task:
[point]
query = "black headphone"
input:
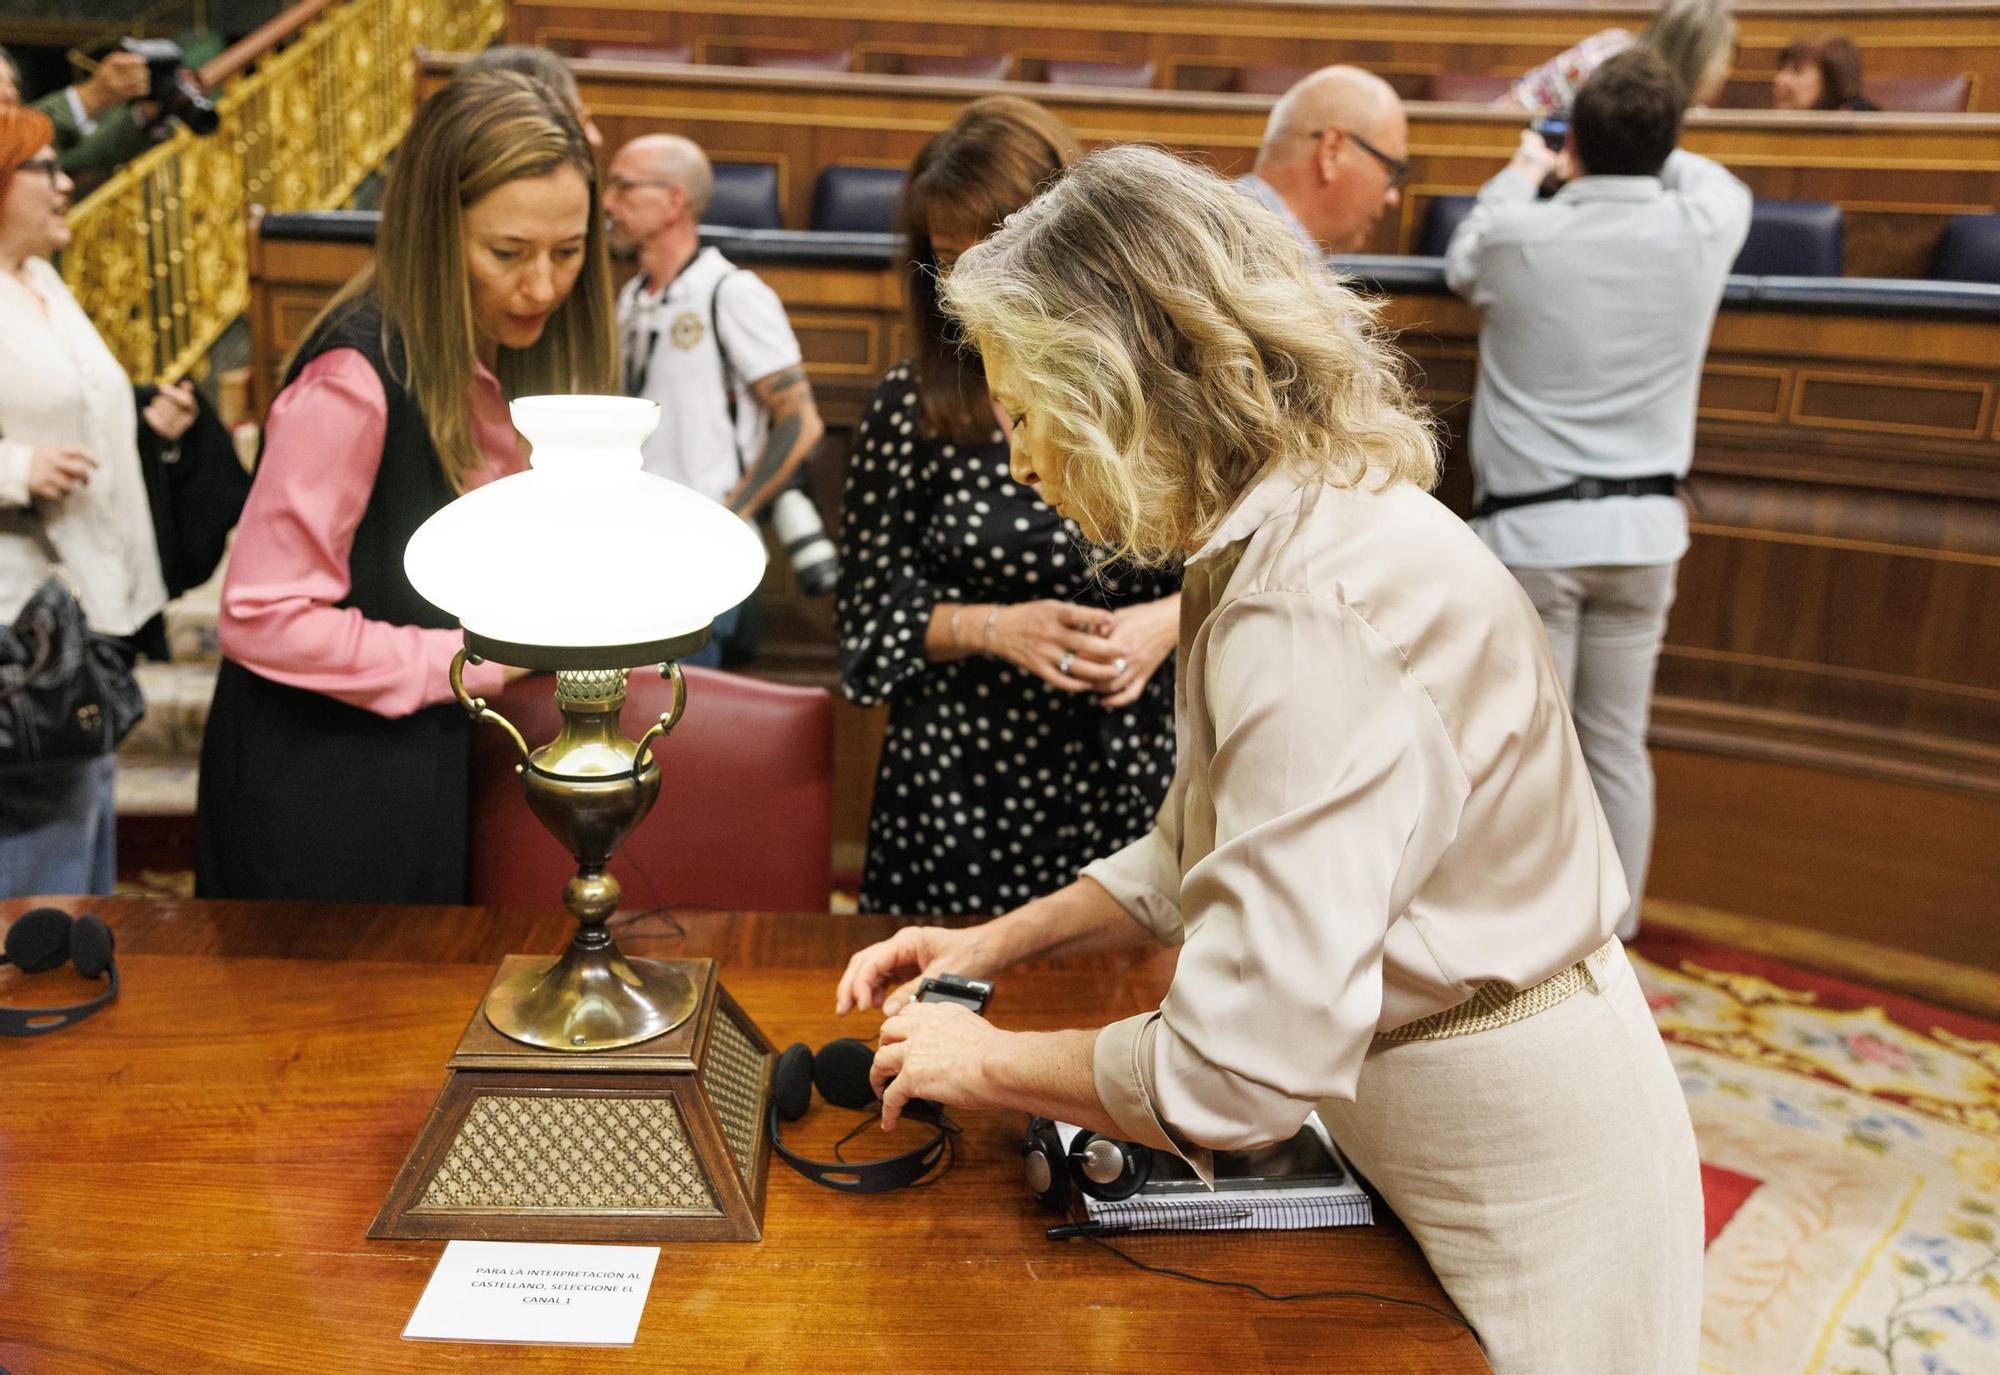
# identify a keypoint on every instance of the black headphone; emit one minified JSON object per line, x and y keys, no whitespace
{"x":840,"y":1073}
{"x":1101,"y":1167}
{"x":42,"y":940}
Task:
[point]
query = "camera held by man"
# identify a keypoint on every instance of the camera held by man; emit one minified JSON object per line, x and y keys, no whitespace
{"x":171,"y":89}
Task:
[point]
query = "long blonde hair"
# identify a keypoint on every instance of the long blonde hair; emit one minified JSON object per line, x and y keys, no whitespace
{"x":476,"y":134}
{"x":1174,"y":341}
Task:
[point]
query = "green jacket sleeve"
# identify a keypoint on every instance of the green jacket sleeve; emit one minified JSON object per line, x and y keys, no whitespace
{"x":115,"y":141}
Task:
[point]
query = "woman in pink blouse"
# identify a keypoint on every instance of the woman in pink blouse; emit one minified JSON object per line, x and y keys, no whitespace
{"x":335,"y":765}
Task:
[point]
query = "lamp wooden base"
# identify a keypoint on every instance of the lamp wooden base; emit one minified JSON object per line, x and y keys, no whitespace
{"x":663,"y":1141}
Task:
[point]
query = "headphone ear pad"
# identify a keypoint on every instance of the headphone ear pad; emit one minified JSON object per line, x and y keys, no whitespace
{"x":40,"y":940}
{"x":1045,"y":1165}
{"x":840,"y":1073}
{"x":90,"y":943}
{"x":791,"y":1082}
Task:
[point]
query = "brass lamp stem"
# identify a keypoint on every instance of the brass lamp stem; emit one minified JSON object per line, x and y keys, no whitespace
{"x":589,"y":786}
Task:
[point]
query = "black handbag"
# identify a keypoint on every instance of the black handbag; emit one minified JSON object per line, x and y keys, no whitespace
{"x":66,"y":692}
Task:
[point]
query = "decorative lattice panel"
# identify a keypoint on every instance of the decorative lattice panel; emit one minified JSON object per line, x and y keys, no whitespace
{"x":734,"y":1077}
{"x":526,"y":1153}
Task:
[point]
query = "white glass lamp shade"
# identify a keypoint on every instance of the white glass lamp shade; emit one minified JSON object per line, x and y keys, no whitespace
{"x":585,"y":550}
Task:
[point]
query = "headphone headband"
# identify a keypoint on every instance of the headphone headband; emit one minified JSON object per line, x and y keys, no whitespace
{"x":792,"y":1082}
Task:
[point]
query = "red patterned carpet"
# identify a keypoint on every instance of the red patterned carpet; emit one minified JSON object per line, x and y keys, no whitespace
{"x":1850,"y":1141}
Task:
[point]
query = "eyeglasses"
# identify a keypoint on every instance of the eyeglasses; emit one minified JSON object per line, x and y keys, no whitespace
{"x":48,"y":167}
{"x":621,"y":185}
{"x":1397,"y":168}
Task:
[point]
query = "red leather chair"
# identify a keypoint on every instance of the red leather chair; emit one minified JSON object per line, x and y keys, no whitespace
{"x":973,"y":67}
{"x":1929,"y":94}
{"x":799,"y":60}
{"x":1126,"y":75}
{"x":744,"y":816}
{"x":1475,"y":88}
{"x":632,"y":52}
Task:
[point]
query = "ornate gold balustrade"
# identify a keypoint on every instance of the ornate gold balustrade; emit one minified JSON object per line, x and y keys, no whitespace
{"x":159,"y":254}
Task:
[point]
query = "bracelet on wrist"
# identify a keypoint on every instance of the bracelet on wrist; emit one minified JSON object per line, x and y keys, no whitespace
{"x":951,"y":626}
{"x":986,"y":639}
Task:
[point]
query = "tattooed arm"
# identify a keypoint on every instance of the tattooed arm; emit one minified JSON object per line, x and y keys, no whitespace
{"x":795,"y":429}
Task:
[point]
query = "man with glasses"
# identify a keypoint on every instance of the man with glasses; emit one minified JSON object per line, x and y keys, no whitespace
{"x":1334,"y":157}
{"x":707,"y":340}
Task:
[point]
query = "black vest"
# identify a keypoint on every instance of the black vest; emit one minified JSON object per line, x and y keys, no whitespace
{"x":306,"y":798}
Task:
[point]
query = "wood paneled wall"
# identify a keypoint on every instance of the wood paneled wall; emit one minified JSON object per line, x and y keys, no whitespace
{"x":1832,"y":671}
{"x":1201,"y":46}
{"x":1899,"y":177}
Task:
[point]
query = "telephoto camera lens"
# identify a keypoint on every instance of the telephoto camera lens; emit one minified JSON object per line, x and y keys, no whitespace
{"x":815,"y":562}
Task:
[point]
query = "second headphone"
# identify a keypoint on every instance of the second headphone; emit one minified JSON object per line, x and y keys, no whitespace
{"x":1100,"y":1167}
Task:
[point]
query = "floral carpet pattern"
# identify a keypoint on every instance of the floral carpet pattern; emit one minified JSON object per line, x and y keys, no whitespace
{"x":1850,"y":1142}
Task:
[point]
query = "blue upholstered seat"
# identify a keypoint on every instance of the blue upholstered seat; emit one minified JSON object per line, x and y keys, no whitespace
{"x":1792,"y":239}
{"x":857,"y":199}
{"x":1443,"y":217}
{"x":1969,"y":250}
{"x":746,"y":196}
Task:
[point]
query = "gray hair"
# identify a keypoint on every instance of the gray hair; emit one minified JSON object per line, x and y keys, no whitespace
{"x":1696,"y":39}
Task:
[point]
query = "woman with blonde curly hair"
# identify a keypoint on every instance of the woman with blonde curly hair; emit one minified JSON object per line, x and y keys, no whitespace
{"x":1391,"y":883}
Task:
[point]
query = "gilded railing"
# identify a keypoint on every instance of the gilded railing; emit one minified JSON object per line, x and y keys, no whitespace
{"x":158,"y":256}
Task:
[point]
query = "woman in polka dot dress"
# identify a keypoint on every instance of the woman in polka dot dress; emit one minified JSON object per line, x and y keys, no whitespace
{"x":1030,"y":698}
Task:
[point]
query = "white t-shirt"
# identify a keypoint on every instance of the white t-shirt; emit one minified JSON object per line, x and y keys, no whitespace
{"x":683,"y":370}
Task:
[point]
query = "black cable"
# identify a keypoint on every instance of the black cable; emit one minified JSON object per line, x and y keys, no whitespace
{"x":1263,"y":1293}
{"x":658,"y":909}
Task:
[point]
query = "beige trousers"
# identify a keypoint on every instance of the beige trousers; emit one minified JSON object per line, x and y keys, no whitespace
{"x":1547,"y":1168}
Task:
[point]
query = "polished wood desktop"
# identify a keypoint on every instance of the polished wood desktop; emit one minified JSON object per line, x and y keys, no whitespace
{"x":189,"y":1175}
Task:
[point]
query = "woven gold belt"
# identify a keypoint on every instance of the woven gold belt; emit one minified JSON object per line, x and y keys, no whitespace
{"x":1497,"y":1005}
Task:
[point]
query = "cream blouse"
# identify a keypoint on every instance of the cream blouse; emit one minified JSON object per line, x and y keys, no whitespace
{"x":60,"y":385}
{"x":1380,"y":805}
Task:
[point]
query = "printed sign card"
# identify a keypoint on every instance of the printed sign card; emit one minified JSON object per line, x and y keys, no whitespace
{"x":551,"y":1295}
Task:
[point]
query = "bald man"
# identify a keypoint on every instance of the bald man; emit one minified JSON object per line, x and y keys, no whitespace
{"x":707,"y":340}
{"x":1333,"y":158}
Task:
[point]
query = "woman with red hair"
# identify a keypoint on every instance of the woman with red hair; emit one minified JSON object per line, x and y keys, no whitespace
{"x":71,"y":493}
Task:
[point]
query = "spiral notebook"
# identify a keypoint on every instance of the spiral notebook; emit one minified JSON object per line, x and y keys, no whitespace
{"x":1288,"y":1186}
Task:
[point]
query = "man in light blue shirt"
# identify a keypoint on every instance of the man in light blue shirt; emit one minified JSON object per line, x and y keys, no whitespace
{"x":1596,"y":307}
{"x":1333,"y":159}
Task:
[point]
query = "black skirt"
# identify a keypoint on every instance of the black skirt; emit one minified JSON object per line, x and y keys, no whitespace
{"x":303,"y":798}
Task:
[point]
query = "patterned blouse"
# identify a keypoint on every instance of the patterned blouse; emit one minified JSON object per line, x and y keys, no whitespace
{"x":994,"y":787}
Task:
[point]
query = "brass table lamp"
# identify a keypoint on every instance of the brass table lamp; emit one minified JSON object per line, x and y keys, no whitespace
{"x":595,"y":1097}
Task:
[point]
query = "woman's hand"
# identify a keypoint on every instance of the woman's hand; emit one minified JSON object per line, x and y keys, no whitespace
{"x":1144,"y":635}
{"x":936,"y":1051}
{"x":171,"y":411}
{"x":888,"y":972}
{"x":1065,"y":645}
{"x":56,"y":471}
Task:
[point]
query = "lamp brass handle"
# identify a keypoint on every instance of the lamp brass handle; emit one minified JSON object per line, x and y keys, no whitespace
{"x":476,"y":707}
{"x":640,"y":757}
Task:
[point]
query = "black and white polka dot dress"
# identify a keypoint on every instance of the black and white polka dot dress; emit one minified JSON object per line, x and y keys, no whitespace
{"x":994,"y":787}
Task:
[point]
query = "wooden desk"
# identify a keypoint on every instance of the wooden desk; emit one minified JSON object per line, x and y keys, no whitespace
{"x":189,"y":1175}
{"x":1203,"y":44}
{"x":1898,"y":177}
